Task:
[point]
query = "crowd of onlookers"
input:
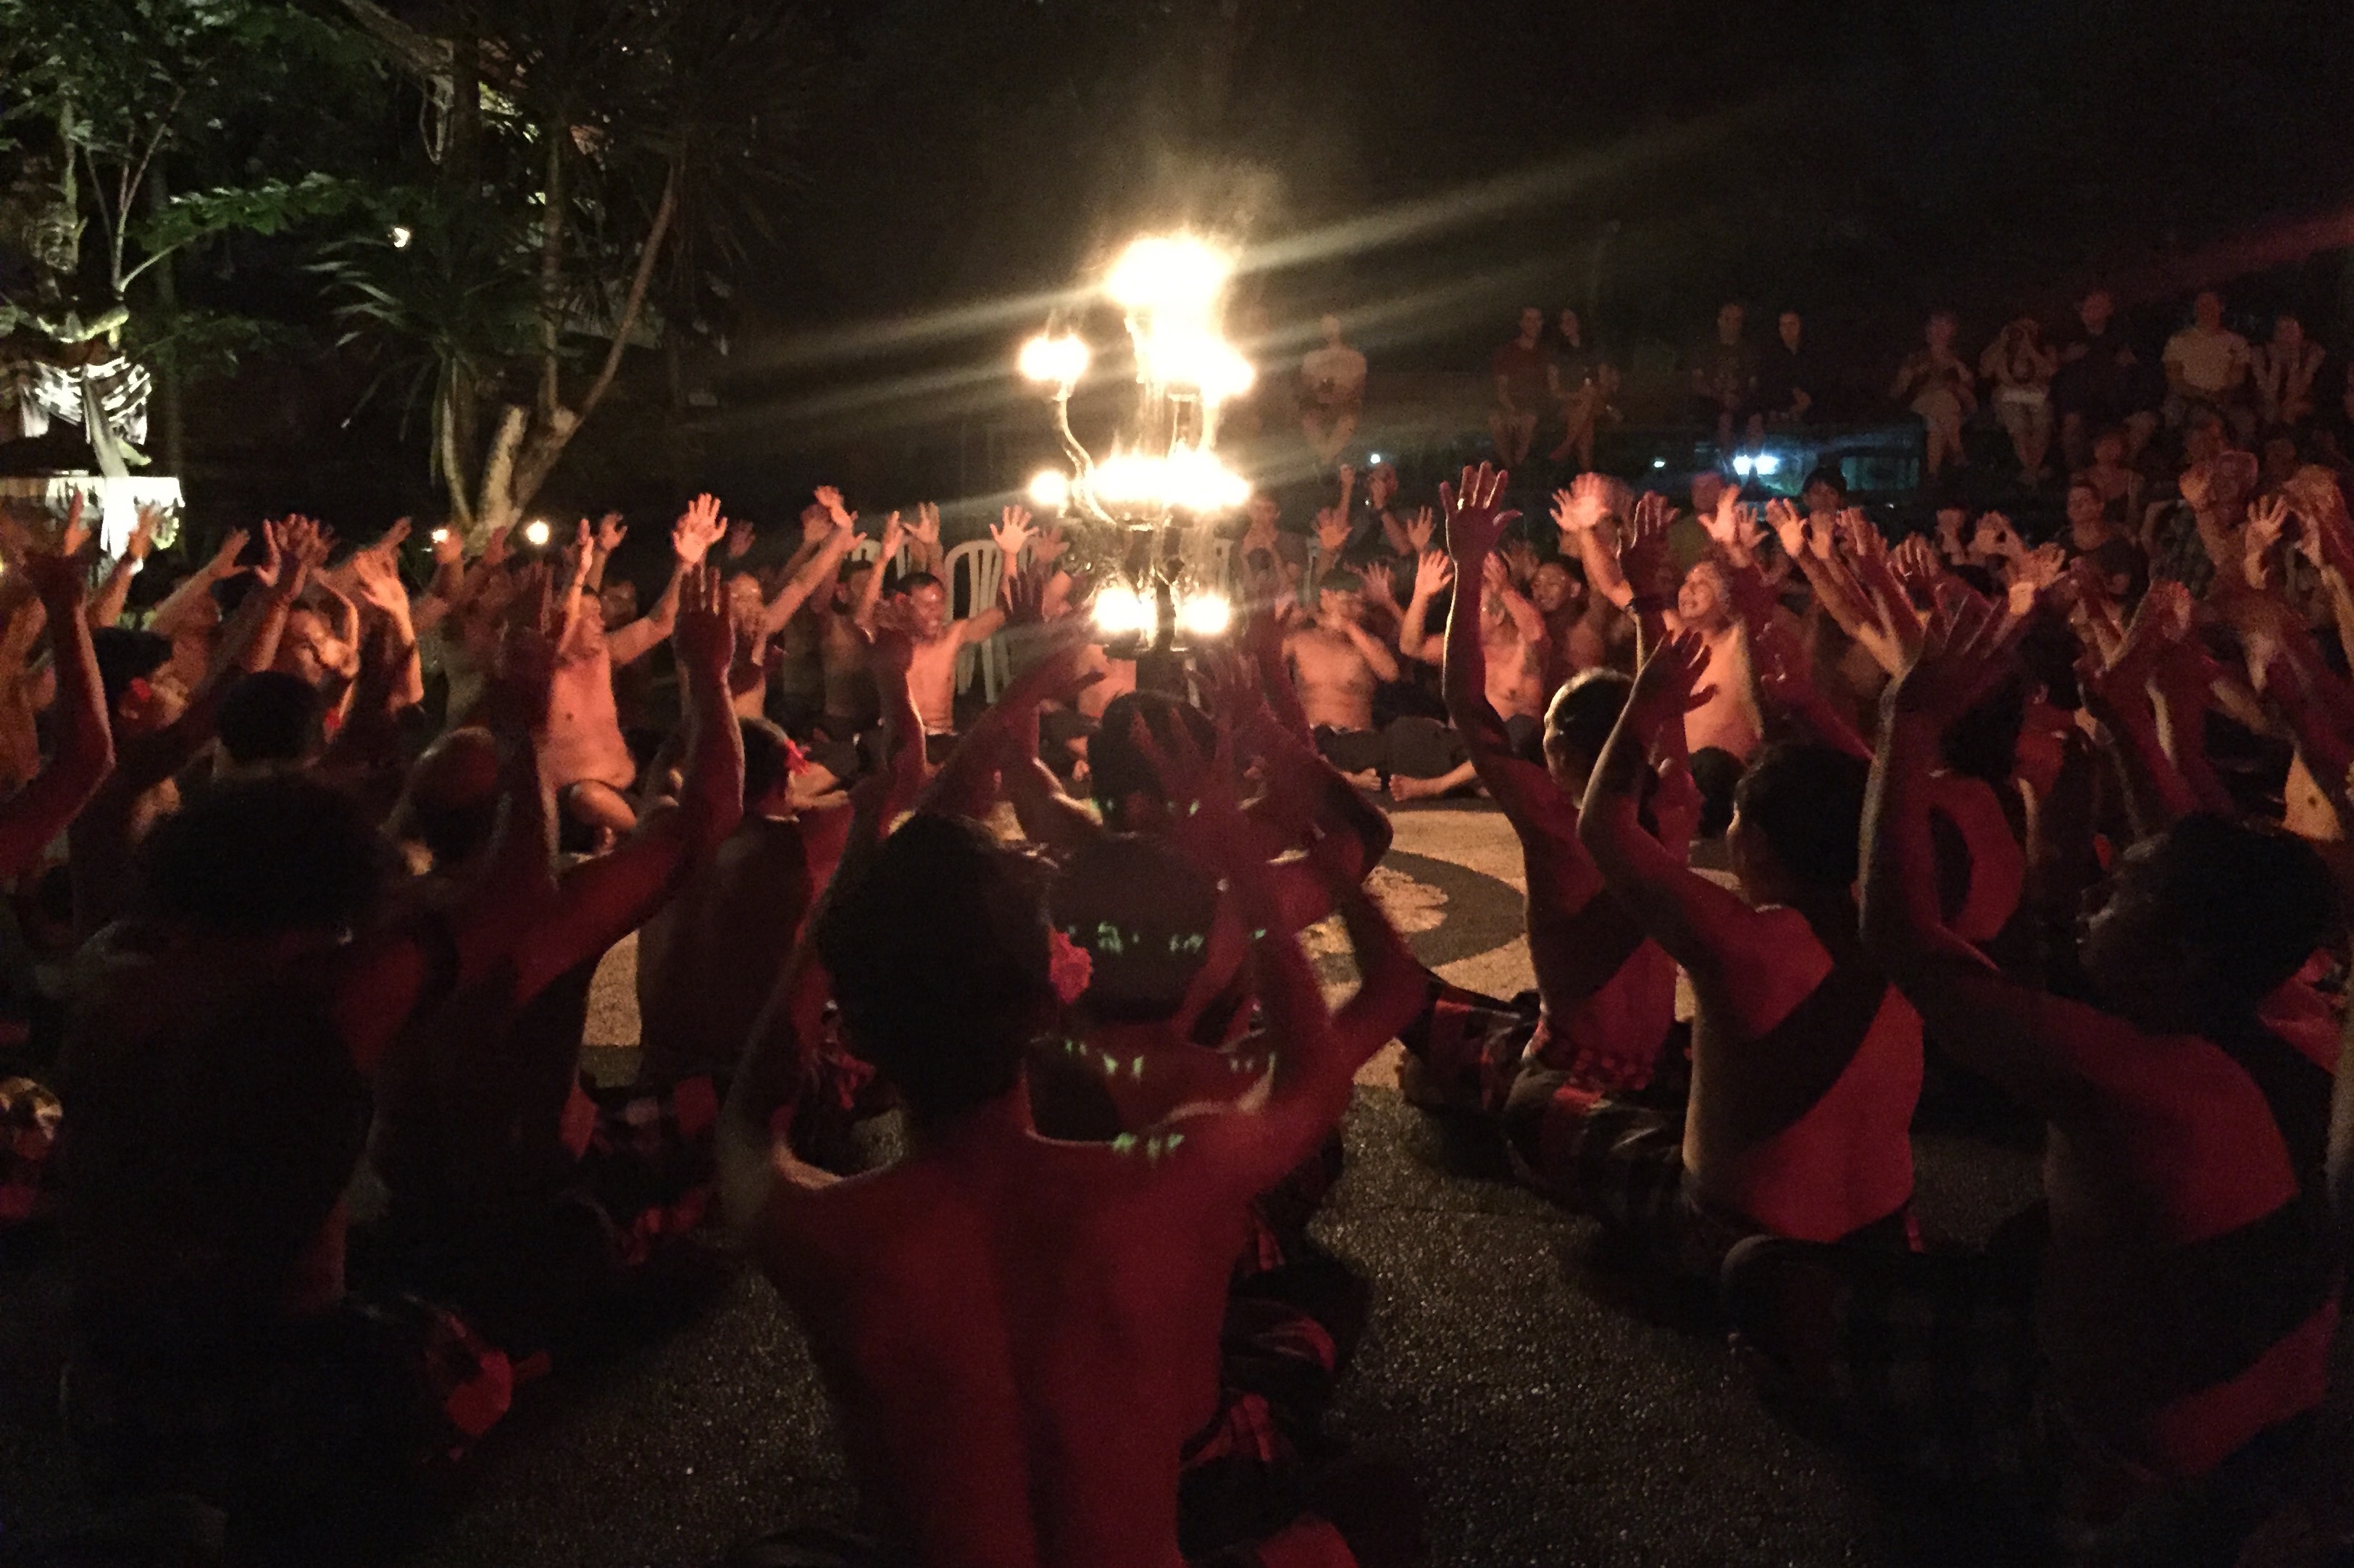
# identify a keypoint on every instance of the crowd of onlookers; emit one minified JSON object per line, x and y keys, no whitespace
{"x":2044,"y":391}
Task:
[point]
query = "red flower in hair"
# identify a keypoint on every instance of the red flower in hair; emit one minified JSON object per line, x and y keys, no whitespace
{"x":1069,"y":966}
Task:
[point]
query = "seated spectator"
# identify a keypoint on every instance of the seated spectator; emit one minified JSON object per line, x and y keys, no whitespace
{"x":1528,"y":380}
{"x":1724,"y":377}
{"x":2207,"y":368}
{"x":2282,"y":370}
{"x":1790,"y":380}
{"x":1936,"y":385}
{"x":1581,"y":391}
{"x":2020,"y":369}
{"x":2100,"y":382}
{"x":2119,"y":485}
{"x":2091,"y":534}
{"x":1331,"y":393}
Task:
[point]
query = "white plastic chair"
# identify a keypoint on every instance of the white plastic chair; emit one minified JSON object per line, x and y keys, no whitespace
{"x":974,"y":568}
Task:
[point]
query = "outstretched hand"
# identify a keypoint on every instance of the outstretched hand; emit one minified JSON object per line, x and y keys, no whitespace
{"x":704,"y":638}
{"x":1668,"y":686}
{"x":1643,"y":557}
{"x":1204,"y":812}
{"x":1967,"y":650}
{"x":698,"y":528}
{"x":1010,"y":532}
{"x":1476,"y":517}
{"x":1433,"y":574}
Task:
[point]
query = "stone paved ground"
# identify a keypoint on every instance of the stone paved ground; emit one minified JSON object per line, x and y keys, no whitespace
{"x":1550,"y":1417}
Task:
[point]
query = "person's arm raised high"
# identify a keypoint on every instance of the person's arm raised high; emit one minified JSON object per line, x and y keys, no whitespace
{"x":1317,"y":1052}
{"x":33,"y":817}
{"x":2023,"y":1038}
{"x":1700,"y":923}
{"x":698,"y":528}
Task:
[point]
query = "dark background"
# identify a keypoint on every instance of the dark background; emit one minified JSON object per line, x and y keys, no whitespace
{"x":1425,"y":166}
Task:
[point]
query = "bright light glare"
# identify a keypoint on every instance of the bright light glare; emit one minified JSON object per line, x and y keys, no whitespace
{"x":1051,"y":488}
{"x":1121,"y":611}
{"x":1177,"y":272}
{"x":1658,"y":462}
{"x":1768,"y":464}
{"x":1206,"y":614}
{"x":1743,"y":465}
{"x":1058,"y":361}
{"x":401,"y":235}
{"x":440,"y":536}
{"x":1187,"y":480}
{"x":535,"y":534}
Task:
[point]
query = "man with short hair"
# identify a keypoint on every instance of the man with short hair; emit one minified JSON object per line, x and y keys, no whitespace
{"x":1049,"y":1312}
{"x":2207,"y":368}
{"x":1805,"y":1064}
{"x":1789,"y":379}
{"x":1335,"y":665}
{"x":1725,"y":374}
{"x":938,"y":639}
{"x":2099,"y":382}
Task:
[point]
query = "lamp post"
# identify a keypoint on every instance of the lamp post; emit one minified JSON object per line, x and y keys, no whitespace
{"x":1145,"y":510}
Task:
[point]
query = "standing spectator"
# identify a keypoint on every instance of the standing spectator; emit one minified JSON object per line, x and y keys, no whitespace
{"x":2283,"y":371}
{"x":2020,"y":369}
{"x":1787,"y":376}
{"x":1935,"y":384}
{"x":1724,"y":373}
{"x":1526,"y":378}
{"x":2207,"y":368}
{"x":1332,"y":394}
{"x":1579,"y":388}
{"x":2099,"y":383}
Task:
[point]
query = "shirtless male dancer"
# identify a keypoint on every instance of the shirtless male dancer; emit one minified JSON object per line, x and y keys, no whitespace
{"x":1018,"y":1335}
{"x":217,"y":1067}
{"x":1605,"y":991}
{"x":2189,"y":1286}
{"x":937,"y":640}
{"x":1335,"y":665}
{"x":1513,"y":657}
{"x":1806,"y":1064}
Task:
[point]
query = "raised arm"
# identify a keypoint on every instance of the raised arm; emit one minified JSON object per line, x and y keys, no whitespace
{"x":820,"y":568}
{"x":106,"y":609}
{"x":1697,"y":922}
{"x":173,"y":616}
{"x":1433,"y":574}
{"x":1318,"y":1053}
{"x":32,"y":818}
{"x":2023,"y":1039}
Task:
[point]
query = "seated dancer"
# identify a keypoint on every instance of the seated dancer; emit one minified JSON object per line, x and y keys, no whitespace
{"x":512,"y":1192}
{"x":155,"y":738}
{"x":1513,"y":657}
{"x":1605,"y":999}
{"x":938,"y":639}
{"x":30,"y":821}
{"x":1805,"y":1064}
{"x":1335,"y":664}
{"x":1019,"y":1334}
{"x":708,"y":957}
{"x":2187,"y":1291}
{"x":218,"y":1064}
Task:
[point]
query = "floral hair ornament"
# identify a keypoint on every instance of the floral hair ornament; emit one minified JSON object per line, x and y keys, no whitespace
{"x":1069,"y":966}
